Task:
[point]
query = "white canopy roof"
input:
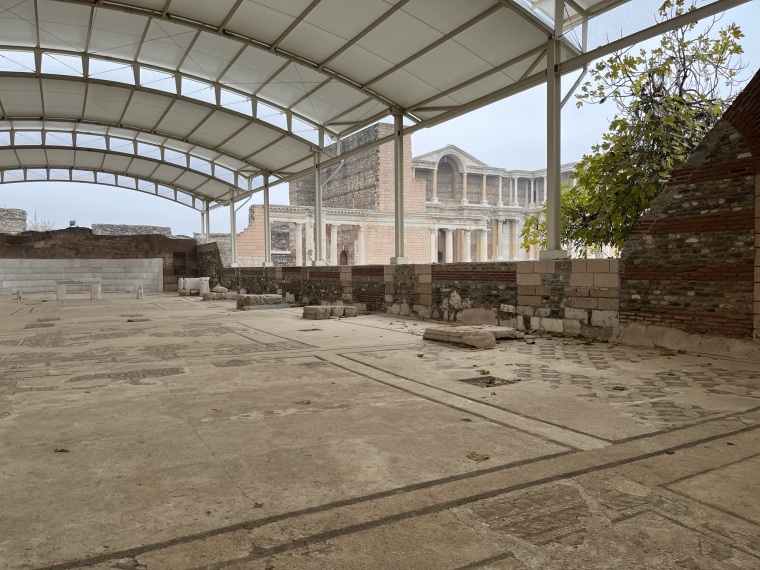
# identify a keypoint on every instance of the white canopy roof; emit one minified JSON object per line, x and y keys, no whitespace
{"x":261,"y":87}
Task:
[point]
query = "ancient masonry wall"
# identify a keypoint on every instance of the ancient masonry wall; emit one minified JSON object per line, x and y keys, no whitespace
{"x":12,"y":220}
{"x":352,"y":184}
{"x":569,"y":297}
{"x":179,"y":255}
{"x":692,"y":262}
{"x":126,"y":230}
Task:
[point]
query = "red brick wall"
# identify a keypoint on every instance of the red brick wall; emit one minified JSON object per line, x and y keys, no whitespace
{"x":691,"y":262}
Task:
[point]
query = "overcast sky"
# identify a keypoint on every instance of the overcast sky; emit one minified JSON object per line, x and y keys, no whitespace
{"x":509,"y":134}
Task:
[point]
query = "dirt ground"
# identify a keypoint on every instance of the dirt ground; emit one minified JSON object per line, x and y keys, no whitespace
{"x":168,"y":433}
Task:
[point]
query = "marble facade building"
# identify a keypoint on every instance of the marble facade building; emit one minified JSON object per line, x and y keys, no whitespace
{"x":457,"y":209}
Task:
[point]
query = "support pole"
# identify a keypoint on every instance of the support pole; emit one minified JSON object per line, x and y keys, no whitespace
{"x":553,"y":124}
{"x":319,"y":229}
{"x":267,"y":226}
{"x":233,"y":235}
{"x":398,"y":171}
{"x":204,"y":237}
{"x":208,"y":223}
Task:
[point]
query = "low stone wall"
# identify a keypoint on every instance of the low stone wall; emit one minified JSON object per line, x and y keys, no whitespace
{"x":129,"y":230}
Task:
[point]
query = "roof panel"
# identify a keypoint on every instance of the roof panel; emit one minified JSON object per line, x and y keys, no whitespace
{"x":165,"y":44}
{"x":167,"y":173}
{"x":63,"y":98}
{"x":116,"y":35}
{"x":63,"y":26}
{"x":210,"y":56}
{"x":145,"y":110}
{"x":259,"y":21}
{"x":17,"y":23}
{"x":60,"y":158}
{"x":116,"y":163}
{"x":88,"y":160}
{"x":182,"y":118}
{"x":104,"y":102}
{"x":252,"y":69}
{"x":291,"y":84}
{"x":218,"y":127}
{"x":20,"y":97}
{"x":8,"y":158}
{"x":329,"y":101}
{"x":190,"y":180}
{"x":410,"y":36}
{"x":250,"y":140}
{"x":212,"y":13}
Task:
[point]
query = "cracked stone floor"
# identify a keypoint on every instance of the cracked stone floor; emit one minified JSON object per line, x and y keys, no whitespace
{"x":197,"y":436}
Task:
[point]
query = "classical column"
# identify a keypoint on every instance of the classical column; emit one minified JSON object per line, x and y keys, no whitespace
{"x":449,"y":246}
{"x":484,"y":201}
{"x":298,"y":245}
{"x":506,"y":239}
{"x":500,"y":237}
{"x":466,"y":246}
{"x":514,"y":202}
{"x":531,"y":190}
{"x":501,"y":202}
{"x":483,"y":245}
{"x":435,"y":185}
{"x":520,"y":224}
{"x":433,"y":245}
{"x":333,"y":244}
{"x":362,"y":257}
{"x":464,"y":189}
{"x":545,"y":193}
{"x":309,"y":258}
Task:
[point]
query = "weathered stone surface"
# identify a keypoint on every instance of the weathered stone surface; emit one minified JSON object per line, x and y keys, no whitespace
{"x":220,"y":296}
{"x":350,"y":311}
{"x":317,"y":313}
{"x":470,"y":336}
{"x":219,"y":289}
{"x":337,"y":311}
{"x":271,"y":299}
{"x":12,"y":220}
{"x":128,"y":230}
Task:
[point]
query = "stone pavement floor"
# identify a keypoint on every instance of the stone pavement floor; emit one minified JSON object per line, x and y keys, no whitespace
{"x":197,"y":436}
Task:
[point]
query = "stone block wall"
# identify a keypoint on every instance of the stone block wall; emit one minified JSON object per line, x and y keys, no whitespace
{"x":179,"y":255}
{"x":126,"y":230}
{"x":691,"y":264}
{"x":12,"y":220}
{"x":568,"y":297}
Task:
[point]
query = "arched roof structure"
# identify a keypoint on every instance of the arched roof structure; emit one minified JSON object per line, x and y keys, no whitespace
{"x":260,"y":88}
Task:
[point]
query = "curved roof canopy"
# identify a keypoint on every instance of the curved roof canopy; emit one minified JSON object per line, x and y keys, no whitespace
{"x":256,"y":87}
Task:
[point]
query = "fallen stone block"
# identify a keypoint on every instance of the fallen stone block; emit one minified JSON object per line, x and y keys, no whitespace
{"x":336,"y":311}
{"x":219,"y":289}
{"x":271,"y":299}
{"x":469,"y":336}
{"x":317,"y":312}
{"x":350,"y":311}
{"x":244,"y":301}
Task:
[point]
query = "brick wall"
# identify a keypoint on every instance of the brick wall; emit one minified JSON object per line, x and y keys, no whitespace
{"x":691,"y":263}
{"x":125,"y":230}
{"x":81,"y":243}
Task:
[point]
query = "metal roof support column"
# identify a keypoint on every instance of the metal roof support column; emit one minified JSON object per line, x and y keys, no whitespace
{"x":208,"y":222}
{"x":398,"y":175}
{"x":204,"y":235}
{"x":267,"y":226}
{"x":233,"y":235}
{"x":319,"y":228}
{"x":553,"y":121}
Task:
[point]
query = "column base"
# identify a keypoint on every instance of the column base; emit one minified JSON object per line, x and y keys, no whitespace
{"x":464,"y":202}
{"x":552,"y":254}
{"x":235,"y":264}
{"x":399,"y":260}
{"x":267,"y":264}
{"x":319,"y":263}
{"x":434,"y":200}
{"x":484,"y":203}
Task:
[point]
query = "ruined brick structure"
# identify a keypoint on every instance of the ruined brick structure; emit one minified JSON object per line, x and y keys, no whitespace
{"x":457,"y":208}
{"x":692,"y":262}
{"x":128,"y":230}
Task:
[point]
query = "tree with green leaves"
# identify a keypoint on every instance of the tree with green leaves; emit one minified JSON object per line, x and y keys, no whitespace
{"x":667,"y":99}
